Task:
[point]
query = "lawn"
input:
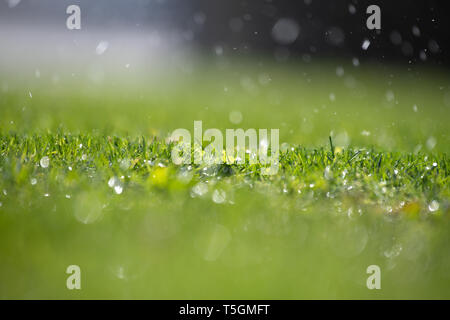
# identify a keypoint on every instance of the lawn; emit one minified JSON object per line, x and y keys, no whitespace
{"x":86,"y":179}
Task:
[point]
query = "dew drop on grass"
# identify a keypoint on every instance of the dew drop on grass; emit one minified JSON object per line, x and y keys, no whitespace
{"x":33,"y":181}
{"x":328,"y":174}
{"x":433,"y":206}
{"x":199,"y":189}
{"x":45,"y":162}
{"x":118,"y":189}
{"x":112,"y":182}
{"x":219,"y":196}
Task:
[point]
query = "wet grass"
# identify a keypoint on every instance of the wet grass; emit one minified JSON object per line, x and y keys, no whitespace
{"x":86,"y":179}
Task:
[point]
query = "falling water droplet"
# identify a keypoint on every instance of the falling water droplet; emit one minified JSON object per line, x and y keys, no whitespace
{"x":365,"y":45}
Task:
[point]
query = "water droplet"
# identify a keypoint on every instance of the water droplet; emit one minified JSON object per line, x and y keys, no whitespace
{"x":431,"y":143}
{"x":118,"y":189}
{"x":120,"y":273}
{"x":219,"y":196}
{"x":328,"y":174}
{"x":351,"y":9}
{"x":33,"y":181}
{"x":339,"y":71}
{"x":218,"y":50}
{"x":394,"y":251}
{"x":433,"y":46}
{"x":335,"y":36}
{"x":199,"y":18}
{"x":365,"y":45}
{"x":433,"y":206}
{"x":396,"y":37}
{"x":45,"y":162}
{"x":235,"y":117}
{"x":112,"y":182}
{"x":199,"y":189}
{"x":390,"y":96}
{"x":101,"y":47}
{"x":285,"y":31}
{"x":423,"y":55}
{"x":12,"y":3}
{"x":264,"y":79}
{"x":87,"y":208}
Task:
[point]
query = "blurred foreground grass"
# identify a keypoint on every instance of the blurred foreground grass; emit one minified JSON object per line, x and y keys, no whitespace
{"x":85,"y":179}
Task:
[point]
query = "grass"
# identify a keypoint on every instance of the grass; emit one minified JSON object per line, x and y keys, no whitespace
{"x":363,"y":180}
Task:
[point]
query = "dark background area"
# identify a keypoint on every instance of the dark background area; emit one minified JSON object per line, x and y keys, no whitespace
{"x":412,"y":32}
